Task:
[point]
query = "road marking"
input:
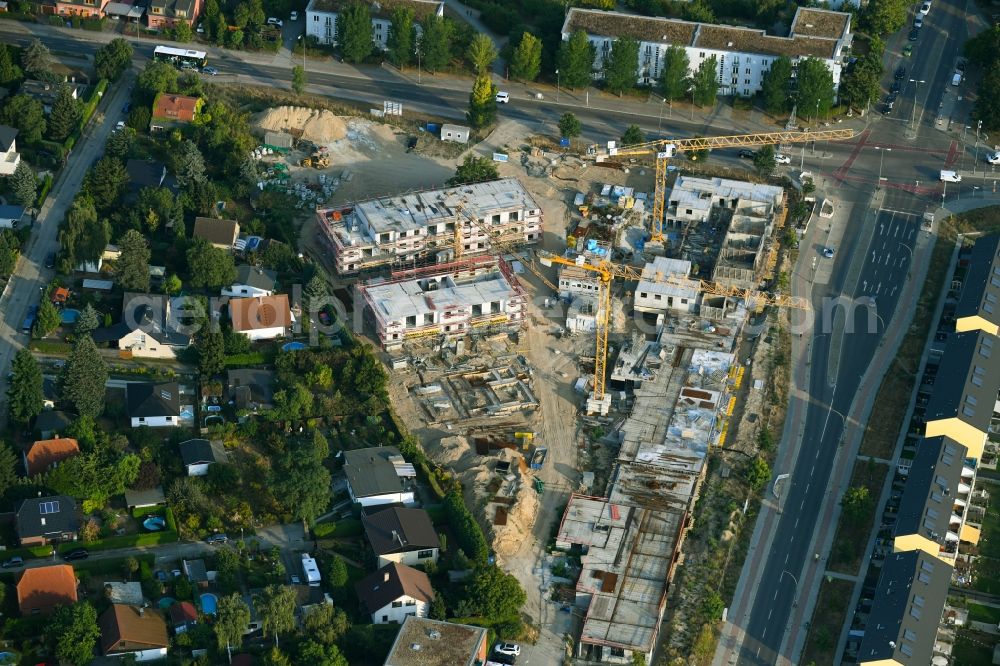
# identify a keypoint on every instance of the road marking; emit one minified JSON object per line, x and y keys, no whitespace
{"x":770,"y":613}
{"x":812,"y":470}
{"x":795,"y":526}
{"x":787,"y":555}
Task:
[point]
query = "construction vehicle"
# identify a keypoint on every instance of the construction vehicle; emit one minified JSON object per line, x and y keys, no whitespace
{"x":607,"y":271}
{"x":664,"y":149}
{"x":318,"y":160}
{"x":538,"y":457}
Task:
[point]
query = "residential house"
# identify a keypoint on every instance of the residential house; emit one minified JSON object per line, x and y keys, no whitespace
{"x":196,"y":572}
{"x":148,"y":173}
{"x":44,"y":454}
{"x":425,"y":642}
{"x":168,"y":13}
{"x":219,"y":233}
{"x":979,"y":303}
{"x":170,"y":110}
{"x":965,"y":391}
{"x":743,"y":55}
{"x":82,"y":8}
{"x":250,"y":388}
{"x":141,"y":499}
{"x":379,"y":475}
{"x":46,"y":92}
{"x":129,"y":593}
{"x":251,"y":282}
{"x":50,"y":392}
{"x":9,"y":157}
{"x":321,"y":17}
{"x":10,"y":216}
{"x":149,"y":327}
{"x":394,"y":592}
{"x":261,"y":318}
{"x":49,"y":424}
{"x":43,"y":520}
{"x":41,"y":590}
{"x":198,"y":454}
{"x":153,"y":405}
{"x":127,"y":630}
{"x":906,"y":611}
{"x":401,"y":535}
{"x":183,"y":615}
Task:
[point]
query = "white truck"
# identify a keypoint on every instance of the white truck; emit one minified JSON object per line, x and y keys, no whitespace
{"x":310,"y":570}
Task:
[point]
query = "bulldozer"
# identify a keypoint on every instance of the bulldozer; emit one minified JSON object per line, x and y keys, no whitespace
{"x":317,"y":160}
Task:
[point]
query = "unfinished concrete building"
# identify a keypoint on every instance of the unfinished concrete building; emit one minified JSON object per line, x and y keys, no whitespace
{"x":631,"y":539}
{"x":419,"y":227}
{"x":450,"y":300}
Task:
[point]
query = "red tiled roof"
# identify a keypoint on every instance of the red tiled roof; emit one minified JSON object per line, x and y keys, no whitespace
{"x":175,"y":107}
{"x":249,"y":314}
{"x":183,"y":612}
{"x":46,"y":452}
{"x":42,"y":588}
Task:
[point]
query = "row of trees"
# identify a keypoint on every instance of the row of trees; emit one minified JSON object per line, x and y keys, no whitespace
{"x":983,"y":53}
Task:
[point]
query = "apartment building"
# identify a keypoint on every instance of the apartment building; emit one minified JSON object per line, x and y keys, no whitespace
{"x":743,"y":55}
{"x":419,"y":227}
{"x":665,"y":286}
{"x":321,"y":17}
{"x":451,"y":300}
{"x":979,"y":305}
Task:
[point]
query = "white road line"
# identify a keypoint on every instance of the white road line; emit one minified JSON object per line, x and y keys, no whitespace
{"x":787,"y":555}
{"x":769,"y":613}
{"x":796,"y":525}
{"x":812,"y":470}
{"x":802,"y":505}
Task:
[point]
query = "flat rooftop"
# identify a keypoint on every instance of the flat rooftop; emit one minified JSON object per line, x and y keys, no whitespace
{"x":399,"y":300}
{"x":425,"y":642}
{"x":705,"y":192}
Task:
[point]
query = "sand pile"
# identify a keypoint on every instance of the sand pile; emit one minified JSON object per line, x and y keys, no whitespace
{"x":454,"y":453}
{"x":507,"y":539}
{"x":318,"y":125}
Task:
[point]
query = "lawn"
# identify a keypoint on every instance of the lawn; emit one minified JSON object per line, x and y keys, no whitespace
{"x":987,"y":614}
{"x":828,"y":620}
{"x":973,"y":648}
{"x":987,"y":566}
{"x":852,"y":537}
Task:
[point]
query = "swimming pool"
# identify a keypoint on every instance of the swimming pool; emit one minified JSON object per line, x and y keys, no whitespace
{"x":69,"y":316}
{"x":293,"y":346}
{"x":209,"y":602}
{"x":154,"y":523}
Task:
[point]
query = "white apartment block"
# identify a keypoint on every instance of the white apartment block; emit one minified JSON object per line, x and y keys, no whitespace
{"x":321,"y":17}
{"x":449,"y":300}
{"x":665,"y":285}
{"x":420,"y":226}
{"x":743,"y":54}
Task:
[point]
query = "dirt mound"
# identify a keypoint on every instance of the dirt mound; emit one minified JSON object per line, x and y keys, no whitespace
{"x":507,"y":539}
{"x":318,"y":125}
{"x":454,"y":453}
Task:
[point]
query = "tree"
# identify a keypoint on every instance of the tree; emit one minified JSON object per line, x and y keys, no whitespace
{"x":774,"y":87}
{"x":706,"y":82}
{"x":209,"y":266}
{"x":570,"y":126}
{"x":132,"y":267}
{"x":83,"y":378}
{"x":816,"y":91}
{"x":401,"y":38}
{"x":10,"y":73}
{"x":211,"y":352}
{"x":182,"y":32}
{"x":315,"y":293}
{"x":48,"y":319}
{"x":983,"y":49}
{"x":576,"y":60}
{"x":856,"y":503}
{"x":95,"y":476}
{"x":526,"y":63}
{"x":326,"y":623}
{"x":482,"y":102}
{"x":8,"y":467}
{"x":312,"y":652}
{"x":106,"y":182}
{"x":300,"y":481}
{"x":862,"y":84}
{"x":885,"y":16}
{"x":36,"y":60}
{"x":435,"y":42}
{"x":27,"y":115}
{"x":119,"y":143}
{"x":25,"y":397}
{"x":474,"y":169}
{"x":354,"y":32}
{"x":9,"y":252}
{"x":633,"y":135}
{"x":638,"y":659}
{"x":157,"y":77}
{"x":758,"y":473}
{"x":189,"y":166}
{"x":23,"y":184}
{"x":621,"y":64}
{"x":231,"y":620}
{"x":763,"y":160}
{"x":336,"y":573}
{"x":496,"y":594}
{"x":72,"y":633}
{"x":87,"y":322}
{"x":276,"y":607}
{"x":83,"y":236}
{"x":712,"y":607}
{"x":481,"y":53}
{"x":467,"y":531}
{"x":65,"y":114}
{"x":130,"y":566}
{"x":674,"y":81}
{"x":298,"y":79}
{"x":112,"y":59}
{"x":986,"y":109}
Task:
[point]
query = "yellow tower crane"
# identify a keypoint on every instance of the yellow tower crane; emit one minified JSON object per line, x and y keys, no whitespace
{"x":666,"y":148}
{"x":607,"y":271}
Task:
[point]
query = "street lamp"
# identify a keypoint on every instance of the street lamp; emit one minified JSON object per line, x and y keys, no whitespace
{"x":659,"y":122}
{"x":417,"y":52}
{"x":557,"y":85}
{"x":881,"y":155}
{"x":979,"y":127}
{"x":302,"y":38}
{"x":913,"y":114}
{"x":816,"y":120}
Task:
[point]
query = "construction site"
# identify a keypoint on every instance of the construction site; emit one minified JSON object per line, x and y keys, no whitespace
{"x":579,"y":376}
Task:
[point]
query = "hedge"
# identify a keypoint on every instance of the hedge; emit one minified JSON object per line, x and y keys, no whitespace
{"x":44,"y":192}
{"x":112,"y":565}
{"x":33,"y":551}
{"x":253,"y":358}
{"x":348,"y":527}
{"x":126,"y":541}
{"x":470,"y":535}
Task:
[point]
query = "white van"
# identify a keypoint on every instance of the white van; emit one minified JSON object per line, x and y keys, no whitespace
{"x":951,"y":177}
{"x":956,"y":79}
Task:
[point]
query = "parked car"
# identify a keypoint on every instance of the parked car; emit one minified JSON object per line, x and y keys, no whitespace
{"x":993,"y":158}
{"x":897,"y":85}
{"x":828,"y":252}
{"x":127,"y":107}
{"x":919,"y":21}
{"x":120,"y":125}
{"x":217,"y":539}
{"x":503,"y":98}
{"x":747,"y":154}
{"x":76,"y":554}
{"x":925,"y":8}
{"x":510,"y":649}
{"x":275,"y":22}
{"x":900,"y":73}
{"x":211,"y":71}
{"x":294,"y":16}
{"x":950,"y":176}
{"x":914,"y":34}
{"x":296,"y":580}
{"x":781,"y":158}
{"x":50,"y":260}
{"x":201,"y":29}
{"x":908,"y":50}
{"x":12,"y":562}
